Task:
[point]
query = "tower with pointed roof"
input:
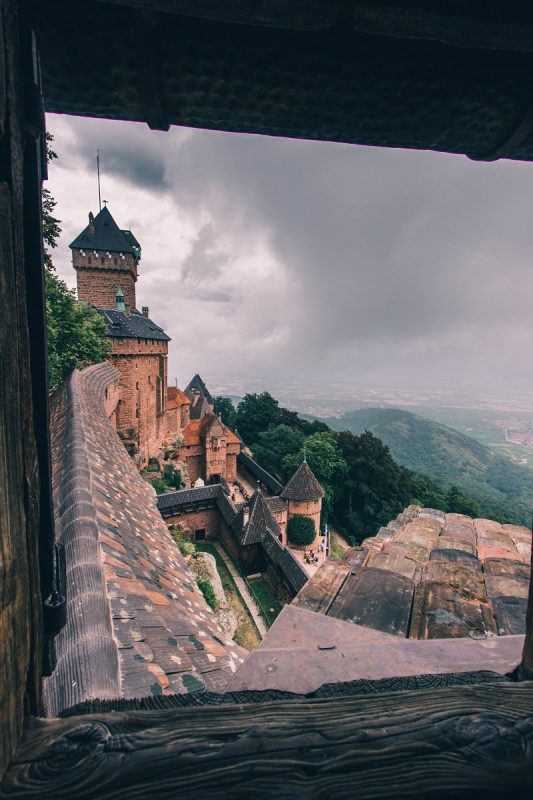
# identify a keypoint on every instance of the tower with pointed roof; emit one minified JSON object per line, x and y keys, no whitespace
{"x":105,"y":258}
{"x":304,"y":494}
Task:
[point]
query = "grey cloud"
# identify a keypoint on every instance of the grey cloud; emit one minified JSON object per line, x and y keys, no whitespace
{"x":404,"y":267}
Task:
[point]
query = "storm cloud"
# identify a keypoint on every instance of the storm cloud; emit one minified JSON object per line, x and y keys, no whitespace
{"x":283,"y":259}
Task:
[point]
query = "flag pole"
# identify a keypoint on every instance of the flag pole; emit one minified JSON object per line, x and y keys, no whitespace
{"x":98,"y":173}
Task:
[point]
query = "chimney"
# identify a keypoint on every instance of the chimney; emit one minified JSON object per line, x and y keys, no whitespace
{"x":92,"y":226}
{"x":145,"y":311}
{"x":245,"y":515}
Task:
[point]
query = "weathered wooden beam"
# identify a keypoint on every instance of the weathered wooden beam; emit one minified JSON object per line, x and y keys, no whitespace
{"x":468,"y":741}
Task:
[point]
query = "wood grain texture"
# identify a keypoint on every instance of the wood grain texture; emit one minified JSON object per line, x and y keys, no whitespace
{"x":450,"y":743}
{"x":20,"y":621}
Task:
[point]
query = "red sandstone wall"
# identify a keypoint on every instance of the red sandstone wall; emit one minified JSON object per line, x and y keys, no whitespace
{"x":208,"y":520}
{"x":140,"y":363}
{"x":99,"y":276}
{"x":308,"y":509}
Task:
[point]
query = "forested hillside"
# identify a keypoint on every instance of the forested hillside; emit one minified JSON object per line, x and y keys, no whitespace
{"x":364,"y":486}
{"x":449,"y":458}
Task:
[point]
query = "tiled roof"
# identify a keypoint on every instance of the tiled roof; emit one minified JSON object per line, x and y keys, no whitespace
{"x":137,"y":623}
{"x":430,"y":575}
{"x":171,"y":502}
{"x":107,"y":236}
{"x":303,"y":485}
{"x":199,"y":428}
{"x":134,"y":326}
{"x":197,"y":386}
{"x":175,"y":394}
{"x":276,"y":504}
{"x":259,"y":521}
{"x":259,"y":473}
{"x":289,"y":565}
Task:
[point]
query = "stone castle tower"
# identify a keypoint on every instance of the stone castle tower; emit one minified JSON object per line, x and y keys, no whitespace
{"x":304,"y":494}
{"x":106,"y":260}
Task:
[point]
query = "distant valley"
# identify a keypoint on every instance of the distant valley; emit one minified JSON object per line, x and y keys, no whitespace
{"x":449,"y":457}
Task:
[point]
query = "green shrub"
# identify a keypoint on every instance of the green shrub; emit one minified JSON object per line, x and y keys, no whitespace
{"x":301,"y":530}
{"x":206,"y":588}
{"x":153,"y":465}
{"x":159,"y":485}
{"x":185,"y":546}
{"x":172,"y":476}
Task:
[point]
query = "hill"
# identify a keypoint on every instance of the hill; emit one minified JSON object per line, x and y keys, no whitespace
{"x":449,"y":458}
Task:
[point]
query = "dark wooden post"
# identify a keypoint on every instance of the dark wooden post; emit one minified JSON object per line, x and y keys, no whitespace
{"x":25,"y":519}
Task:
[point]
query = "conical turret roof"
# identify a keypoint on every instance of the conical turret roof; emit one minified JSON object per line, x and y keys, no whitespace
{"x":303,"y":485}
{"x":103,"y":233}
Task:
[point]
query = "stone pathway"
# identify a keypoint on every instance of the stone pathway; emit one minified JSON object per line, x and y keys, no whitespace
{"x":243,"y":590}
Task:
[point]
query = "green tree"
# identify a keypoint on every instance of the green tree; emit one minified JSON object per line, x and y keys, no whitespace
{"x":77,"y":334}
{"x":458,"y":503}
{"x":301,"y":530}
{"x":172,"y":477}
{"x":225,"y":409}
{"x":326,"y":460}
{"x":276,"y":444}
{"x":256,"y":413}
{"x":375,"y":488}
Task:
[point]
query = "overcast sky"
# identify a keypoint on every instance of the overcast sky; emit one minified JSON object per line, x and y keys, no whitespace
{"x":279,"y":259}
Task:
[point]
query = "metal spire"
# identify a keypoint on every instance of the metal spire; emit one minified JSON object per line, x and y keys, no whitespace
{"x":98,"y":173}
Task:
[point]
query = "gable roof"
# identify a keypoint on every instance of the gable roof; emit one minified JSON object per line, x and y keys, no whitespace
{"x":197,"y":429}
{"x":303,"y":485}
{"x":197,"y":386}
{"x":134,"y":326}
{"x":107,"y":236}
{"x":259,"y":522}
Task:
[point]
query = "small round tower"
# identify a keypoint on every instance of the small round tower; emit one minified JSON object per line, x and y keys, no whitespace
{"x":304,"y":494}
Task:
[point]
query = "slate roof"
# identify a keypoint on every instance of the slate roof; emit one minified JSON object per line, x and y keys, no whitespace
{"x":260,"y":520}
{"x":259,"y":473}
{"x":171,"y":502}
{"x":430,"y":575}
{"x":107,"y":236}
{"x":134,"y":326}
{"x":137,"y":624}
{"x":303,"y":485}
{"x":196,"y":385}
{"x":281,"y":555}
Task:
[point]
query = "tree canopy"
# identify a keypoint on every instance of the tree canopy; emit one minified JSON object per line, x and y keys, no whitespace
{"x":275,"y":445}
{"x":224,"y":408}
{"x":255,"y":413}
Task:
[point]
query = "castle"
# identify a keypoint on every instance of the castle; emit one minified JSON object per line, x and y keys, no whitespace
{"x":242,"y":505}
{"x":149,"y":413}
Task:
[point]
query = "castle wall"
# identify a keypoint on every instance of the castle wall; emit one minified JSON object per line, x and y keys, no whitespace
{"x":140,"y":414}
{"x":207,"y":520}
{"x":99,"y":276}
